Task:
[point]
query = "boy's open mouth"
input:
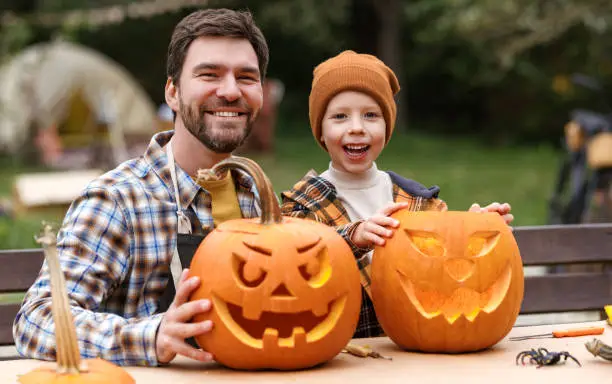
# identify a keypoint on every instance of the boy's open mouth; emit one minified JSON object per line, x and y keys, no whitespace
{"x":356,"y":150}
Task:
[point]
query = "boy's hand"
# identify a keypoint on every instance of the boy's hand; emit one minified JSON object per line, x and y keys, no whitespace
{"x":502,"y":209}
{"x":373,"y":230}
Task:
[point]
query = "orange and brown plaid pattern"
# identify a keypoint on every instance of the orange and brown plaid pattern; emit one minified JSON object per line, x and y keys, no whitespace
{"x":315,"y":198}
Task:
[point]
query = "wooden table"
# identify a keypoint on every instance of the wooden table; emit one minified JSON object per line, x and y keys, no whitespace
{"x":496,"y":365}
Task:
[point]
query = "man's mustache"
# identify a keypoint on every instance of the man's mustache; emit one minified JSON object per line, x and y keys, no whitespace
{"x":221,"y":103}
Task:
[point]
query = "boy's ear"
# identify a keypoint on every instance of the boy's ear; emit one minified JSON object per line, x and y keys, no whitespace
{"x":171,"y":95}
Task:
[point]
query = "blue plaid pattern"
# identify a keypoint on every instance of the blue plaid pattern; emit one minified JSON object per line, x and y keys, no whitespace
{"x":115,"y":247}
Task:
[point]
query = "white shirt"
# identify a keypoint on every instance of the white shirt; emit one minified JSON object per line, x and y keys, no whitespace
{"x":362,"y":195}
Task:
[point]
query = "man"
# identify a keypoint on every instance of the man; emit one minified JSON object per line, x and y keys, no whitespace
{"x":118,"y":242}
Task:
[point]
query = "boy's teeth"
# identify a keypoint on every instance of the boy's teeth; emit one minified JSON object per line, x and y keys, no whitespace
{"x":226,"y":114}
{"x":356,"y":148}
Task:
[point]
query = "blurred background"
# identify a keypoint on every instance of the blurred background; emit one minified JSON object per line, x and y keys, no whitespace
{"x":500,"y":100}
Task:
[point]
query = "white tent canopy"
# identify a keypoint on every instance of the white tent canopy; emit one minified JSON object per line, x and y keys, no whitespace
{"x":38,"y":83}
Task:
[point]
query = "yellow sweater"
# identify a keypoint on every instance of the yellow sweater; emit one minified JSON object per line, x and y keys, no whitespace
{"x":224,"y":200}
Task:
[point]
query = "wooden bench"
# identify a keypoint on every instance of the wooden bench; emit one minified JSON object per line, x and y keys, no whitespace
{"x":563,"y":290}
{"x":579,"y":257}
{"x":19,"y":269}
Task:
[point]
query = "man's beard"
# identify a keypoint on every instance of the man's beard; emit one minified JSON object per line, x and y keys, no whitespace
{"x":227,"y":136}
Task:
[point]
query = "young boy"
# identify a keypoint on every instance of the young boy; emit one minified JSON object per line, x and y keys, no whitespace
{"x":352,"y":116}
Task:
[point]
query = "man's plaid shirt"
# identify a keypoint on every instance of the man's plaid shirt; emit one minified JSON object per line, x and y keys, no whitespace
{"x":115,"y":247}
{"x":315,"y":198}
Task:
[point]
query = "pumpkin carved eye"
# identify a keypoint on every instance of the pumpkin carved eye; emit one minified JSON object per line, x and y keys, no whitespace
{"x":249,"y":271}
{"x":317,"y":270}
{"x":481,"y":243}
{"x":427,"y":243}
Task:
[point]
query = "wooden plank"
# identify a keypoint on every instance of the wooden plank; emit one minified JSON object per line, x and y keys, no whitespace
{"x":492,"y":365}
{"x":19,"y":269}
{"x":7,"y":317}
{"x":565,"y":244}
{"x":51,"y":188}
{"x":567,"y":292}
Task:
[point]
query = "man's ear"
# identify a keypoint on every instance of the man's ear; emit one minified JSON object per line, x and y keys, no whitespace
{"x":172,"y":95}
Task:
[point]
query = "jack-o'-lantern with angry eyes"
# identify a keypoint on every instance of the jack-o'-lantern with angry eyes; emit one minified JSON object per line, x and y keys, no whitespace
{"x":285,"y":291}
{"x":448,"y":281}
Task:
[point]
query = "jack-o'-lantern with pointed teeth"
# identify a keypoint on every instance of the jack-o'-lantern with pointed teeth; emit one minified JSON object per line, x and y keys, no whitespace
{"x":285,"y":291}
{"x":448,"y":281}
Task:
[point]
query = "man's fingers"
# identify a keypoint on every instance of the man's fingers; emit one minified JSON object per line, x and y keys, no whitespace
{"x":184,"y":275}
{"x":186,"y":311}
{"x":182,"y":348}
{"x":184,"y":331}
{"x":184,"y":290}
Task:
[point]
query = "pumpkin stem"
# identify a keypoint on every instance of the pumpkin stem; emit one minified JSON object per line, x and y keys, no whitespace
{"x":67,"y":348}
{"x":270,"y":210}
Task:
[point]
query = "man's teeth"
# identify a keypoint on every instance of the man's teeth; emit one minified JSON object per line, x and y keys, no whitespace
{"x":226,"y":114}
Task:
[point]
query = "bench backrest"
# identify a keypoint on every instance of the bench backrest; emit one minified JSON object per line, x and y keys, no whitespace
{"x":18,"y":270}
{"x":567,"y":249}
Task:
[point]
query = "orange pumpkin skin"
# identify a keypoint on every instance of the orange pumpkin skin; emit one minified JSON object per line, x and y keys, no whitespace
{"x":285,"y":295}
{"x":448,"y":281}
{"x":98,"y":372}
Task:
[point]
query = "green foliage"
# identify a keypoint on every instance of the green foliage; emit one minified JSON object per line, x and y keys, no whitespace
{"x":14,"y":36}
{"x":310,"y":21}
{"x":510,"y":28}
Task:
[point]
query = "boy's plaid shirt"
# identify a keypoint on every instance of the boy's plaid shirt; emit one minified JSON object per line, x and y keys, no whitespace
{"x":315,"y":198}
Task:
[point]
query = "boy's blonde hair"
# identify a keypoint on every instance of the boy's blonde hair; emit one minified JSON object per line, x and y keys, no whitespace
{"x":357,"y":72}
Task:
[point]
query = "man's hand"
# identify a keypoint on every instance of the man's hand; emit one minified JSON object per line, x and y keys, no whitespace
{"x":175,"y":327}
{"x":502,"y":209}
{"x":373,"y":230}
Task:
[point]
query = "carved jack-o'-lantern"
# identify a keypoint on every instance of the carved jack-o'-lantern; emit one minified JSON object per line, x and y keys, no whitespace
{"x":448,"y":281}
{"x":285,"y":291}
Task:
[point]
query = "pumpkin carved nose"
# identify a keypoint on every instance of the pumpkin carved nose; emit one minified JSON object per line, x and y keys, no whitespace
{"x":282,"y":291}
{"x":459,"y":269}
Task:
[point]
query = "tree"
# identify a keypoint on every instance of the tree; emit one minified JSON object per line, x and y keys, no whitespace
{"x":510,"y":28}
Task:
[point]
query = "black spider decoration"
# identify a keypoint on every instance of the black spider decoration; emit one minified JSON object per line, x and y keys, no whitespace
{"x":542,"y":357}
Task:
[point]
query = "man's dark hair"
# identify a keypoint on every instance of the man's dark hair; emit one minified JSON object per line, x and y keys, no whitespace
{"x":214,"y":22}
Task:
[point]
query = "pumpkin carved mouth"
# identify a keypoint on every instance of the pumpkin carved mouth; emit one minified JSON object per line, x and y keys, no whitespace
{"x":463,"y":301}
{"x":279,"y":328}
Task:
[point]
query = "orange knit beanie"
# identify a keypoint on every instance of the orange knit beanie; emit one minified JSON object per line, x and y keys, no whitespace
{"x":357,"y":72}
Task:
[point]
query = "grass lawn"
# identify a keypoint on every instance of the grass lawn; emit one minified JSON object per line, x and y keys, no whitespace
{"x":465,"y":171}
